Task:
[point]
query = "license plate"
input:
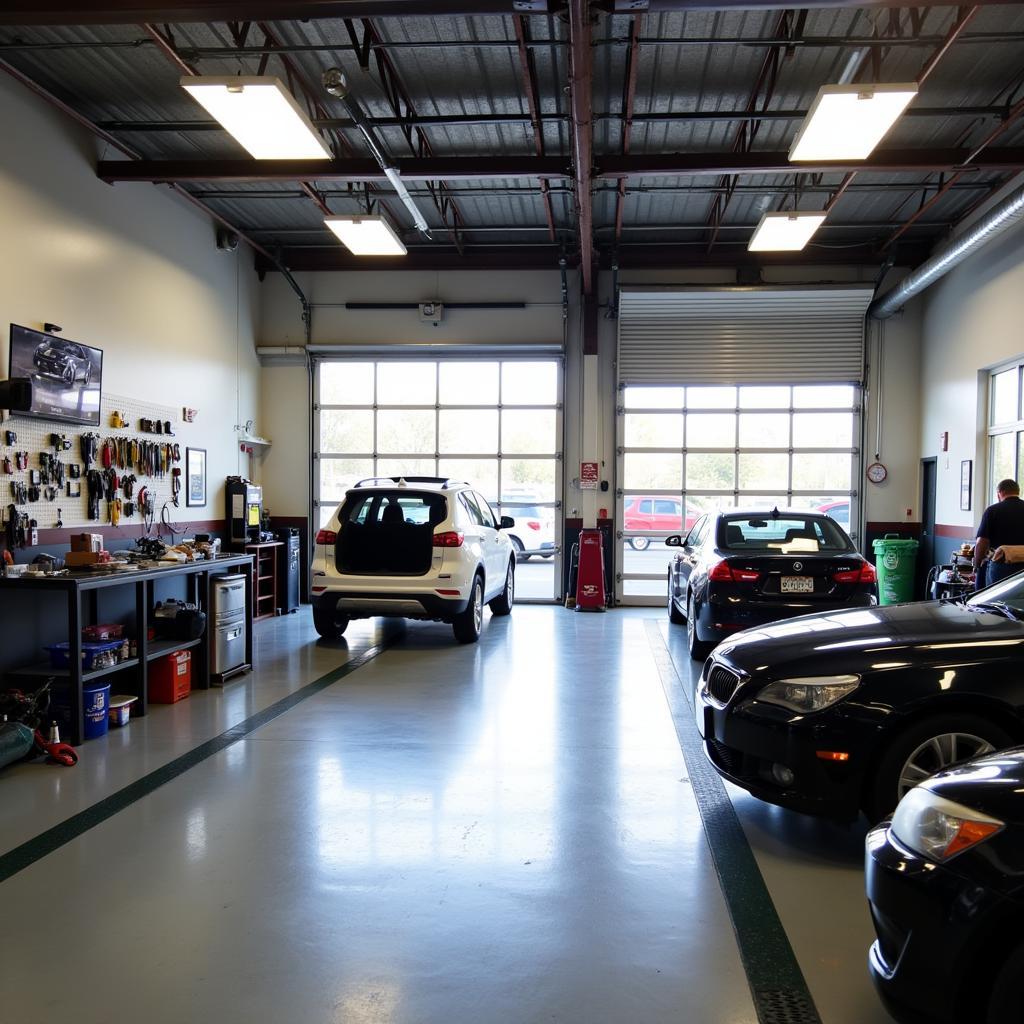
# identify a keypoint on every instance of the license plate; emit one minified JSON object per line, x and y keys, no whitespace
{"x":797,"y":585}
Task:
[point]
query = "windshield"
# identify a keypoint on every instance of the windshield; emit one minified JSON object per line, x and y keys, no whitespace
{"x":1009,"y":592}
{"x":785,"y":534}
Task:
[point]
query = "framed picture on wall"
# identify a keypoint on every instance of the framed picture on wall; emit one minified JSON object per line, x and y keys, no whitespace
{"x":965,"y":485}
{"x":195,"y":476}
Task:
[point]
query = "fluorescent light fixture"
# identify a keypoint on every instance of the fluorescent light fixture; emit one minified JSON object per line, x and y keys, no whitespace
{"x":785,"y":232}
{"x":846,"y":122}
{"x":367,"y":236}
{"x":261,"y":114}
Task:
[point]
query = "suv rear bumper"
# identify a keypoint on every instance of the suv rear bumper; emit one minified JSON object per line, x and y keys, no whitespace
{"x":363,"y":604}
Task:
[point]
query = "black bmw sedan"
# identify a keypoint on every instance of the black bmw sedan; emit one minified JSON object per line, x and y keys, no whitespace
{"x":831,"y":714}
{"x":737,"y":569}
{"x":945,"y":883}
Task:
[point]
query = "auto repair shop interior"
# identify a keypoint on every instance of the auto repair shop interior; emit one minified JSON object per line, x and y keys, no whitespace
{"x":362,"y":359}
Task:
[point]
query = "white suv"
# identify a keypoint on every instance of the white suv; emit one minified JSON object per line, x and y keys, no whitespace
{"x":415,"y":548}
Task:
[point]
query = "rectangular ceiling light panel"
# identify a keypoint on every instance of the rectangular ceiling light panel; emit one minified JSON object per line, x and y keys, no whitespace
{"x":785,"y":232}
{"x":846,"y":122}
{"x":367,"y":236}
{"x":261,"y":114}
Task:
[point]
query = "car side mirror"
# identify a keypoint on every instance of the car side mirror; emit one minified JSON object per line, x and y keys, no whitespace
{"x":674,"y":541}
{"x":507,"y":522}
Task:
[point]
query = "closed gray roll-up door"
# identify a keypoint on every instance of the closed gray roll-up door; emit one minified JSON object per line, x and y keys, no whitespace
{"x":742,"y":335}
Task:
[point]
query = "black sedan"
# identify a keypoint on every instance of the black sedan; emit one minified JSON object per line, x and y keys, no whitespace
{"x":945,"y":882}
{"x":835,"y":713}
{"x":738,"y":569}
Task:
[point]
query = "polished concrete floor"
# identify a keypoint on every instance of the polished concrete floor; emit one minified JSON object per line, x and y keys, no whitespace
{"x":505,"y":832}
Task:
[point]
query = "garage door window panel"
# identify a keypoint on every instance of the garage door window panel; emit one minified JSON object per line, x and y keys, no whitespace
{"x":822,"y":430}
{"x":409,"y":431}
{"x":529,"y":383}
{"x":710,"y":471}
{"x":832,"y":396}
{"x":644,"y":471}
{"x":710,"y":430}
{"x":711,"y":398}
{"x":347,"y":430}
{"x":473,"y":431}
{"x":765,"y":398}
{"x":412,"y":383}
{"x":654,"y":430}
{"x":763,"y":471}
{"x":469,"y":383}
{"x":482,"y":472}
{"x":527,"y":432}
{"x":347,"y":383}
{"x":819,"y":472}
{"x":533,"y":477}
{"x":406,"y":467}
{"x":764,"y":430}
{"x":654,"y":398}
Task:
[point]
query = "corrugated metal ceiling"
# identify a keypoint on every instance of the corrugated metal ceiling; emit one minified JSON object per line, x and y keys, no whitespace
{"x":450,"y":67}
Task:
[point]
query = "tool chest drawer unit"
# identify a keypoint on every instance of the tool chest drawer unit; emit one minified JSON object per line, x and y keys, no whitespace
{"x":81,"y":592}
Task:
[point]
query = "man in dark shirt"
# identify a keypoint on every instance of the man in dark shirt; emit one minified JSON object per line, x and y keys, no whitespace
{"x":1001,"y":523}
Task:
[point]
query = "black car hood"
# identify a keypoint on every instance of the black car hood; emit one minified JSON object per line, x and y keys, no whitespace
{"x":993,"y":784}
{"x":851,"y":641}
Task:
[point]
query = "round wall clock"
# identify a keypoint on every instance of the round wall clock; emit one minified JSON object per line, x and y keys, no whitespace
{"x":876,"y":472}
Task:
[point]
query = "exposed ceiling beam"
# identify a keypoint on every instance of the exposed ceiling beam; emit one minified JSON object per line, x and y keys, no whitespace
{"x":881,"y":161}
{"x":460,"y":120}
{"x":355,"y":170}
{"x":581,"y":88}
{"x":653,"y":6}
{"x":702,"y":42}
{"x":132,"y":12}
{"x":545,"y":257}
{"x":628,"y":98}
{"x":885,"y":161}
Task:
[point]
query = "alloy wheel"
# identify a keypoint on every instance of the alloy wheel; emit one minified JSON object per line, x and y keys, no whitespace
{"x":937,"y":753}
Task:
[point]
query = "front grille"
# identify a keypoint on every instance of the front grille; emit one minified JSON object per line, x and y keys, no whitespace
{"x":721,"y":684}
{"x":729,"y":760}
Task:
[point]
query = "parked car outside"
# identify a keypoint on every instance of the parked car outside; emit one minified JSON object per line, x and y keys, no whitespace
{"x":736,"y":569}
{"x":945,"y":884}
{"x":415,"y":548}
{"x":63,"y":360}
{"x":847,"y":711}
{"x":839,"y":511}
{"x":534,"y":530}
{"x":648,"y":512}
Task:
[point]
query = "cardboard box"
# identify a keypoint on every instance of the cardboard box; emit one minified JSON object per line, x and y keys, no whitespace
{"x":73,"y":558}
{"x":86,"y":542}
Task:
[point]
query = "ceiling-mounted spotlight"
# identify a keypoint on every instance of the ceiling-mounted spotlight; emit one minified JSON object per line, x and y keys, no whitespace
{"x":261,"y":114}
{"x":846,"y":122}
{"x":785,"y":232}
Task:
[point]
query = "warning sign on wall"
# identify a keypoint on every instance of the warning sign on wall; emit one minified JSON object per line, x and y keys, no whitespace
{"x":589,"y":476}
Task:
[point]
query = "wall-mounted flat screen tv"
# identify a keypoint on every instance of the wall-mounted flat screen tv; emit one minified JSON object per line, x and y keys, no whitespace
{"x":66,"y":375}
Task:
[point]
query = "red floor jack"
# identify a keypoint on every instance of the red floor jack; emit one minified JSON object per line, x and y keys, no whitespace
{"x":590,"y":595}
{"x":61,"y":753}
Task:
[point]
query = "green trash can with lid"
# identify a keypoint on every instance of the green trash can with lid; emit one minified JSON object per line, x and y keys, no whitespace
{"x":895,"y":561}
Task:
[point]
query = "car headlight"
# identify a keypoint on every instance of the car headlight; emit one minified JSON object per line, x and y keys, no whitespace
{"x":938,"y":828}
{"x":809,"y":693}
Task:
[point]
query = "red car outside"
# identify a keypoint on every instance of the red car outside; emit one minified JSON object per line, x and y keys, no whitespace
{"x":647,"y":512}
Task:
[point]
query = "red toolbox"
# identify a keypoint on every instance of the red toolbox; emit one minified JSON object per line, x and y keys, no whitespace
{"x":170,"y":677}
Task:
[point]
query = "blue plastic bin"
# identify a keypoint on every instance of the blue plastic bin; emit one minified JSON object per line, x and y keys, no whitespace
{"x":95,"y":708}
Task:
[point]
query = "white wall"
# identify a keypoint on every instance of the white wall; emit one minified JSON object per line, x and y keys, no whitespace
{"x":590,"y":395}
{"x":285,"y":388}
{"x":973,"y":320}
{"x":130,"y":269}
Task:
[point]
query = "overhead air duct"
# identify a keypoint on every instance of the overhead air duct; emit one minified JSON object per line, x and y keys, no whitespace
{"x":1009,"y":212}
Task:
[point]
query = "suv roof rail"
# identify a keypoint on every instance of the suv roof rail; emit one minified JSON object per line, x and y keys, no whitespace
{"x":444,"y":481}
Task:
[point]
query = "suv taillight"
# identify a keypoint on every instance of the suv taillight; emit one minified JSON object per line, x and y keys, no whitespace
{"x":451,"y":539}
{"x":533,"y":524}
{"x":326,"y":537}
{"x":868,"y":574}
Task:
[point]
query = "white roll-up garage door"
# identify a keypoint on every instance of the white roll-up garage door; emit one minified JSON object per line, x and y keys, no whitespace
{"x":732,"y":397}
{"x":742,"y":335}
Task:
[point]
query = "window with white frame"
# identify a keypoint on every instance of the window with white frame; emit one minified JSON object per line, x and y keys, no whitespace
{"x":1005,"y":427}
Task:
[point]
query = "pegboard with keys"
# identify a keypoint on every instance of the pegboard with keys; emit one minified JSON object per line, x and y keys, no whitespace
{"x":45,"y":467}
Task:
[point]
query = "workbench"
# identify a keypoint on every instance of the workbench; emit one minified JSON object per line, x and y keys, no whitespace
{"x":81,"y":590}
